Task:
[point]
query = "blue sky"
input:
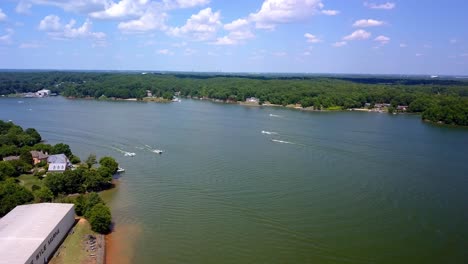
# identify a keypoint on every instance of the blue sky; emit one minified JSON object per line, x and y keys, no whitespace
{"x":312,"y":36}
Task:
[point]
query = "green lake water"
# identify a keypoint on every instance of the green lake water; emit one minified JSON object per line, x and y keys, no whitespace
{"x":336,"y":187}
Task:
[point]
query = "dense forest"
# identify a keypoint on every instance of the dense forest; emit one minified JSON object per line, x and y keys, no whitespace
{"x":438,"y":100}
{"x":85,"y":178}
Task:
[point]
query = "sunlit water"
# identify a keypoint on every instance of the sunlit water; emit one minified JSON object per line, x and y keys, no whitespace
{"x":338,"y":187}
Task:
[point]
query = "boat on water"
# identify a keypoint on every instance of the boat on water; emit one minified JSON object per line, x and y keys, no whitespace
{"x":175,"y":99}
{"x":129,"y":154}
{"x":157,"y":151}
{"x":120,"y":170}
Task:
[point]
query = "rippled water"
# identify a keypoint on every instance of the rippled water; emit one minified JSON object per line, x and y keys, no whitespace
{"x":323,"y":188}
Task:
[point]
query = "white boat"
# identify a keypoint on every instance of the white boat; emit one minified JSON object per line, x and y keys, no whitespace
{"x":120,"y":170}
{"x":175,"y":99}
{"x":129,"y":154}
{"x":157,"y":151}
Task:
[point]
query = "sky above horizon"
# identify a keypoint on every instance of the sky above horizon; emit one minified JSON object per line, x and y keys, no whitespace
{"x":303,"y":36}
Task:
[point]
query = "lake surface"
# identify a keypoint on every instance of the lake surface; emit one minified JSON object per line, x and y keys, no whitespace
{"x":340,"y":187}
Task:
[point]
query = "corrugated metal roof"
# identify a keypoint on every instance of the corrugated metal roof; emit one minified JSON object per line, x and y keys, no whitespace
{"x":25,"y":228}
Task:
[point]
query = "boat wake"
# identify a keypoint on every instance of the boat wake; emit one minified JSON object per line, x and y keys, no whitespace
{"x":269,"y":132}
{"x":157,"y":151}
{"x":283,"y":142}
{"x":272,"y":115}
{"x":126,"y":153}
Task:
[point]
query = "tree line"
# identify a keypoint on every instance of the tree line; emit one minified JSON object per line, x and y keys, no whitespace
{"x":438,"y":100}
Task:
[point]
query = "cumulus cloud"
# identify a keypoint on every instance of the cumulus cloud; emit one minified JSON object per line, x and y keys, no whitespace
{"x":340,"y":44}
{"x":382,"y":39}
{"x":6,"y":39}
{"x":312,"y":38}
{"x":236,"y":24}
{"x":121,"y":9}
{"x":368,"y":23}
{"x":50,"y":23}
{"x":385,"y":6}
{"x":275,"y":12}
{"x":3,"y":16}
{"x":359,"y":34}
{"x":185,"y":3}
{"x":239,"y":32}
{"x":56,"y":30}
{"x":330,"y":12}
{"x":150,"y":20}
{"x":200,"y":26}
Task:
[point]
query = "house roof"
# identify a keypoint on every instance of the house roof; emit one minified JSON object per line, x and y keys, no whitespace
{"x":38,"y":154}
{"x":59,"y":158}
{"x":11,"y":158}
{"x":26,"y":227}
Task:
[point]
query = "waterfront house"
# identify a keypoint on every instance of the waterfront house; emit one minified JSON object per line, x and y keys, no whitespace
{"x":43,"y":93}
{"x":58,"y":163}
{"x":402,"y":107}
{"x":38,"y":156}
{"x":149,"y":93}
{"x":254,"y":100}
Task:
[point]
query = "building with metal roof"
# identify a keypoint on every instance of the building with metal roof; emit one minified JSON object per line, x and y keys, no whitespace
{"x":31,"y":233}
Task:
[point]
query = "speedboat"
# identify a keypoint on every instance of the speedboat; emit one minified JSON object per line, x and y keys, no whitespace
{"x":157,"y":151}
{"x":129,"y":154}
{"x":120,"y":169}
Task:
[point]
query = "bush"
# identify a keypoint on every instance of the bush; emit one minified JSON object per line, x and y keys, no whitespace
{"x":110,"y":163}
{"x":100,"y":218}
{"x":11,"y":195}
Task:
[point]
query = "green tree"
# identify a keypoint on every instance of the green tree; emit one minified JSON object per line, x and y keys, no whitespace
{"x":6,"y":170}
{"x":91,"y":200}
{"x":61,"y":148}
{"x":110,"y":163}
{"x":91,"y":160}
{"x":11,"y":195}
{"x":100,"y":218}
{"x":44,"y":194}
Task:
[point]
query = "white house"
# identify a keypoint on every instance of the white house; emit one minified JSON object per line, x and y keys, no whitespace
{"x":58,"y":163}
{"x":252,"y":100}
{"x":43,"y":93}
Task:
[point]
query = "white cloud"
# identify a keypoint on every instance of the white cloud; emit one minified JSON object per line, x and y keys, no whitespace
{"x":464,"y":55}
{"x":312,"y":38}
{"x":199,"y":27}
{"x":382,"y":39}
{"x":385,"y":6}
{"x":368,"y":23}
{"x":56,"y":30}
{"x":275,"y":12}
{"x":236,"y":24}
{"x":358,"y":35}
{"x":164,"y":52}
{"x":453,"y":41}
{"x":306,"y":53}
{"x":239,"y":32}
{"x":50,"y":23}
{"x":23,"y":7}
{"x":30,"y":45}
{"x":152,"y":19}
{"x":121,"y":9}
{"x":403,"y":45}
{"x":419,"y":54}
{"x":79,"y":6}
{"x":330,"y":12}
{"x":6,"y":39}
{"x":339,"y":44}
{"x":3,"y":16}
{"x":185,"y":3}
